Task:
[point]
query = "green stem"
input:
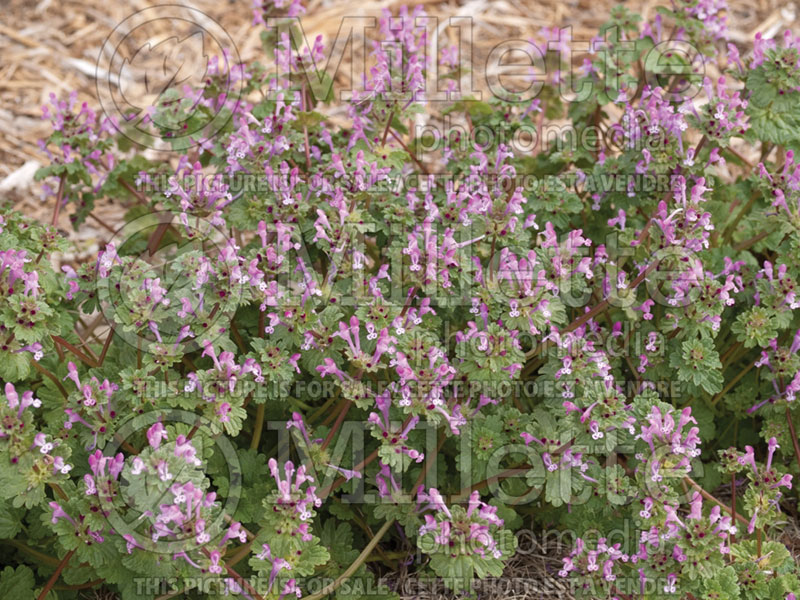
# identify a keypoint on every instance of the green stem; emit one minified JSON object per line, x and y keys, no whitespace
{"x":238,"y":338}
{"x":300,"y":404}
{"x":57,"y":489}
{"x":59,"y":199}
{"x":34,"y":553}
{"x":766,"y":148}
{"x":323,"y":408}
{"x":356,"y":563}
{"x":728,"y":353}
{"x":737,"y":356}
{"x":752,"y":241}
{"x":51,"y":377}
{"x":388,"y":126}
{"x":728,"y":234}
{"x":793,"y":433}
{"x":170,"y":595}
{"x":390,"y":555}
{"x":732,"y":383}
{"x":259,"y":426}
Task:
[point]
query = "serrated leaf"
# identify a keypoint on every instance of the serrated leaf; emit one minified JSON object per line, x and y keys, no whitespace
{"x":17,"y":583}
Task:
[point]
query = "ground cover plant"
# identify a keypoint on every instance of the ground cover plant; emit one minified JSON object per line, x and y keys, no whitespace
{"x":333,"y":350}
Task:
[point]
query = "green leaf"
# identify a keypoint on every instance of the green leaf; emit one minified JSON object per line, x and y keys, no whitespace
{"x":10,"y":523}
{"x":15,"y":366}
{"x":311,"y":557}
{"x":698,"y":363}
{"x":723,"y":585}
{"x":17,"y":583}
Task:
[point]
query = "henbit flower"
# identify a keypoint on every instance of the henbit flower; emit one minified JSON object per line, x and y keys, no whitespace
{"x":278,"y":564}
{"x":394,"y":438}
{"x":465,"y":532}
{"x":387,"y":485}
{"x":329,"y":368}
{"x":296,"y":422}
{"x":58,"y":513}
{"x":13,"y":425}
{"x":434,"y":500}
{"x":587,"y":562}
{"x":297,"y":505}
{"x":93,"y":403}
{"x":156,"y":434}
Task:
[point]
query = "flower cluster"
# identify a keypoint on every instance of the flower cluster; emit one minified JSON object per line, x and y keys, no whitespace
{"x":91,"y":406}
{"x":671,"y":444}
{"x":222,"y":385}
{"x":473,"y":533}
{"x":763,"y":495}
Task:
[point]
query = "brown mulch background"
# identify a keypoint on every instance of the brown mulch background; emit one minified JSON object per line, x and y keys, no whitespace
{"x":53,"y":45}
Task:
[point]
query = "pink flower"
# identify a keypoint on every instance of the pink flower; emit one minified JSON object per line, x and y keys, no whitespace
{"x":156,"y":434}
